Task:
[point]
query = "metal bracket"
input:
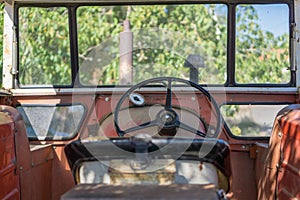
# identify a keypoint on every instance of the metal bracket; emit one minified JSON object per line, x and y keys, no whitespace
{"x":141,"y":144}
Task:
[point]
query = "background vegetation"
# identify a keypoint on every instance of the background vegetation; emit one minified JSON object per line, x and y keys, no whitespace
{"x":180,"y":31}
{"x":164,"y":37}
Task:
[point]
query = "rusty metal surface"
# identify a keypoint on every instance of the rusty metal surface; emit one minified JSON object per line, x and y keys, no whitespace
{"x":62,"y":179}
{"x":98,"y":191}
{"x":9,"y":181}
{"x":281,"y":176}
{"x":243,"y":176}
{"x":31,"y":167}
{"x":104,"y":105}
{"x":122,"y":173}
{"x":289,"y":173}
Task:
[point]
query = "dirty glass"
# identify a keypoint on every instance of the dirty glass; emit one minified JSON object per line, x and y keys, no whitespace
{"x":44,"y":46}
{"x":262,"y":44}
{"x":250,"y":120}
{"x":52,"y":122}
{"x":120,"y":45}
{"x":123,"y":45}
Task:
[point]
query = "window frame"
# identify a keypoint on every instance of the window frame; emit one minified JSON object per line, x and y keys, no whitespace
{"x":231,"y":46}
{"x":247,"y":137}
{"x":70,"y":64}
{"x":56,"y":138}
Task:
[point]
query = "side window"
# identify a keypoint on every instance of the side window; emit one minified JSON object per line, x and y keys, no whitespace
{"x":53,"y":122}
{"x":250,"y":120}
{"x":44,"y":48}
{"x":262,"y":44}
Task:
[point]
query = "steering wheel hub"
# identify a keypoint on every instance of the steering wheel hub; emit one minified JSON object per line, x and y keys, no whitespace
{"x":167,"y":117}
{"x":167,"y":120}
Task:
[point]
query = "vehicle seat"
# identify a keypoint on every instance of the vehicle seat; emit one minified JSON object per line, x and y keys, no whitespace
{"x":32,"y":161}
{"x":280,"y":179}
{"x":99,"y":162}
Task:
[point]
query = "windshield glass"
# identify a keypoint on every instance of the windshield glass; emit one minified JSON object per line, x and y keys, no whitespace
{"x":152,"y":41}
{"x":123,"y":45}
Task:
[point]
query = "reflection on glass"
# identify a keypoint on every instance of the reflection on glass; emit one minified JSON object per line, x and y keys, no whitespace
{"x":44,"y":56}
{"x":250,"y":120}
{"x":262,"y":43}
{"x":51,"y":122}
{"x":162,"y":37}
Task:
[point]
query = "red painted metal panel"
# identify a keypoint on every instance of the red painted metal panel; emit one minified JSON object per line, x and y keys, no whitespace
{"x":9,"y":181}
{"x":289,"y":173}
{"x":281,"y":176}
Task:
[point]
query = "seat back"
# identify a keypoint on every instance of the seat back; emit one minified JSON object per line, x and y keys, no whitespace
{"x":281,"y":179}
{"x":102,"y":162}
{"x":9,"y":180}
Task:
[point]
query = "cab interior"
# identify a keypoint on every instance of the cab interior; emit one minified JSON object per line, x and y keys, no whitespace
{"x":160,"y":137}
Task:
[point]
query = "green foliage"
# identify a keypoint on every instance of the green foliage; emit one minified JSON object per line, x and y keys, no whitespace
{"x":260,"y":57}
{"x":98,"y":50}
{"x":44,"y":46}
{"x":164,"y":37}
{"x":229,"y":110}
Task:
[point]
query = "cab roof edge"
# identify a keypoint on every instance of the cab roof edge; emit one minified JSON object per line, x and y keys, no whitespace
{"x":101,"y":1}
{"x":10,"y":2}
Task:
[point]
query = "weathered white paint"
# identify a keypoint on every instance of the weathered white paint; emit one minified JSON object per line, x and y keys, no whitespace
{"x":8,"y":47}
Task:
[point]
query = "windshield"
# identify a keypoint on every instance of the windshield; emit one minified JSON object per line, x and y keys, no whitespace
{"x":152,"y":41}
{"x":123,"y":45}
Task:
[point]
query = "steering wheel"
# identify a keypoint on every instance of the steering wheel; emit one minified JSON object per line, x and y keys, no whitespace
{"x":167,"y":118}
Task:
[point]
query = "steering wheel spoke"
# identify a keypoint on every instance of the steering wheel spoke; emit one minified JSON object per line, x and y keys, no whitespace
{"x":167,"y":119}
{"x":191,"y":129}
{"x":168,"y":105}
{"x":141,"y":126}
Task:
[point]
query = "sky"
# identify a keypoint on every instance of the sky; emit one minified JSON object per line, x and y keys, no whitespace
{"x":274,"y":18}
